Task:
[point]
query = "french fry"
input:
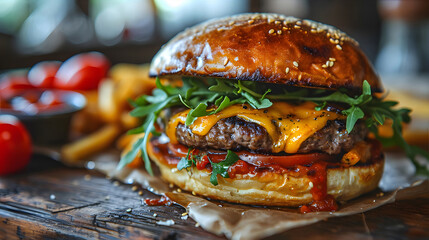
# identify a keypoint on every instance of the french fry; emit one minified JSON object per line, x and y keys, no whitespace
{"x":127,"y":82}
{"x":418,"y":137}
{"x":416,"y":103}
{"x":84,"y":123}
{"x":93,"y":143}
{"x":91,"y":102}
{"x":126,"y":90}
{"x":132,"y":81}
{"x":148,"y":84}
{"x":126,"y":78}
{"x":124,"y":72}
{"x":386,"y":129}
{"x":128,"y":121}
{"x":124,"y":140}
{"x":108,"y":106}
{"x":87,"y":120}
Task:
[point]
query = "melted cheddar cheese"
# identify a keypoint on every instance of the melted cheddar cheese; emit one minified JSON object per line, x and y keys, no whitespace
{"x":288,"y":125}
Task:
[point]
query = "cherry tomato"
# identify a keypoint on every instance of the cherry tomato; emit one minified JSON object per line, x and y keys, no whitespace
{"x":11,"y":83}
{"x":82,"y":72}
{"x":42,"y":74}
{"x":15,"y":145}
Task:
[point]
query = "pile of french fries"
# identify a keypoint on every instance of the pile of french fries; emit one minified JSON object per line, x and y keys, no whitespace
{"x":105,"y":120}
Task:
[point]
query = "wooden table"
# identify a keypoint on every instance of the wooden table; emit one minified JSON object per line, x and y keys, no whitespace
{"x":51,"y":201}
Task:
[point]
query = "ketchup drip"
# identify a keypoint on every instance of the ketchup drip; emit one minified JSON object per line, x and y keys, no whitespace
{"x":322,"y":201}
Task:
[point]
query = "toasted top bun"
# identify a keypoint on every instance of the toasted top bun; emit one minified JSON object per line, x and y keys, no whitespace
{"x":267,"y":48}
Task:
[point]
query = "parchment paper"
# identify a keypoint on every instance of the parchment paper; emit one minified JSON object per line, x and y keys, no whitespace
{"x":237,"y":221}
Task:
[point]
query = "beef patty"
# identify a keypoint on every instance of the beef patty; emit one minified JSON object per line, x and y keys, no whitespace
{"x":235,"y":133}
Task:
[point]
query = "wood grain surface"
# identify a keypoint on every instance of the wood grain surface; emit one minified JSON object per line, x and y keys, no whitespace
{"x":51,"y":201}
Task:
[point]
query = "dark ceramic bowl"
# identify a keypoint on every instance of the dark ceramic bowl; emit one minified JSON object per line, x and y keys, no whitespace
{"x":51,"y":126}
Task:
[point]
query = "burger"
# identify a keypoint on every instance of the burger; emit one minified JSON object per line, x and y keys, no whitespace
{"x":265,"y":109}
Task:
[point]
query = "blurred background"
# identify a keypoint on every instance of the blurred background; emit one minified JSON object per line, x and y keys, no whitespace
{"x":393,"y":33}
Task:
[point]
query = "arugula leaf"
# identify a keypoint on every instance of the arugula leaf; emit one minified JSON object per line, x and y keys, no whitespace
{"x":222,"y":167}
{"x":149,"y":126}
{"x":265,"y":103}
{"x":129,"y":157}
{"x":221,"y":87}
{"x":186,"y":162}
{"x":169,"y":90}
{"x":199,"y":111}
{"x":184,"y":102}
{"x":224,"y":104}
{"x":136,"y":130}
{"x":158,"y":95}
{"x":145,"y":110}
{"x":321,"y":106}
{"x":380,"y":118}
{"x":353,"y":115}
{"x":256,"y":103}
{"x":138,"y":101}
{"x":265,"y":94}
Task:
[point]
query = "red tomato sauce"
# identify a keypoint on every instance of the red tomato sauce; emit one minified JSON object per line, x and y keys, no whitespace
{"x":241,"y":167}
{"x":163,"y":201}
{"x":33,"y":101}
{"x":328,"y":204}
{"x":322,"y":201}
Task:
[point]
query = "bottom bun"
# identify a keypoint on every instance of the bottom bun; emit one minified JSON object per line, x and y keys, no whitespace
{"x":270,"y":188}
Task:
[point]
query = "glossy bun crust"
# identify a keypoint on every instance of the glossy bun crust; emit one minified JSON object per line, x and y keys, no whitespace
{"x":273,"y":189}
{"x":267,"y":48}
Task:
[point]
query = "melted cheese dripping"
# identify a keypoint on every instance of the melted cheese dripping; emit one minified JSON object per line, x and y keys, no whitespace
{"x":288,"y":125}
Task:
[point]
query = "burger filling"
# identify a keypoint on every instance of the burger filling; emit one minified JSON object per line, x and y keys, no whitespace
{"x":283,"y":138}
{"x":238,"y":134}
